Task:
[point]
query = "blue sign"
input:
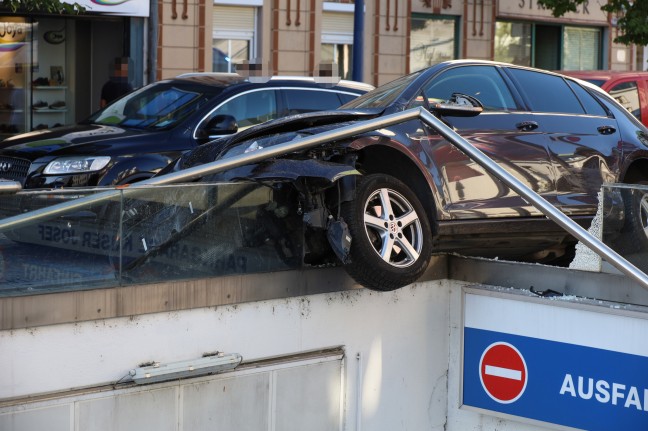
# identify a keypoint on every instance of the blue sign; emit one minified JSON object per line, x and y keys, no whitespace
{"x":566,"y":384}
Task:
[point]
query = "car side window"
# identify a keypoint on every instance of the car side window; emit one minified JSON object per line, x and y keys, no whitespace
{"x":547,"y":93}
{"x":251,"y":108}
{"x":627,"y":94}
{"x":483,"y":82}
{"x":591,"y":105}
{"x":304,"y":100}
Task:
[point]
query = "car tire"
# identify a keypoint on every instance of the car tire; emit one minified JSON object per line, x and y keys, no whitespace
{"x":375,"y":220}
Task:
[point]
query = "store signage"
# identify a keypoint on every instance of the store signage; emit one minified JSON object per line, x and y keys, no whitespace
{"x":555,"y":364}
{"x":587,"y":12}
{"x":115,"y":7}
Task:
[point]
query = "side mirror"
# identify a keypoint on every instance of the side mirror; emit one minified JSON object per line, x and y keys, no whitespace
{"x":220,"y":125}
{"x":459,"y":105}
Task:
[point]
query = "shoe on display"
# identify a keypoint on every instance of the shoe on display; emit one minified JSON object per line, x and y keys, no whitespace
{"x":40,"y":105}
{"x":41,"y":82}
{"x":58,"y":105}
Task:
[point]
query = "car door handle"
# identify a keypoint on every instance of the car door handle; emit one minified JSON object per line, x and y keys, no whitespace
{"x":527,"y":126}
{"x":606,"y":130}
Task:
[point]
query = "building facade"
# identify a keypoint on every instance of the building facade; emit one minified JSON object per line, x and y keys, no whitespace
{"x":299,"y":37}
{"x":52,"y":67}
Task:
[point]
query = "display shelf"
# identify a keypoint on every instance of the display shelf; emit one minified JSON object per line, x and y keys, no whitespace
{"x":48,"y":94}
{"x":49,"y":87}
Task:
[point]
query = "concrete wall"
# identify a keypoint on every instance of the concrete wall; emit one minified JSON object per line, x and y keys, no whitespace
{"x":398,"y":342}
{"x":346,"y":359}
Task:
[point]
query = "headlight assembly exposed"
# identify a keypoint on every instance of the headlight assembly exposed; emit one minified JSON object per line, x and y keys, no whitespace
{"x":76,"y":165}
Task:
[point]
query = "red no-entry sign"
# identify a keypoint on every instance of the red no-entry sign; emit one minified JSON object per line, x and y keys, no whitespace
{"x":503,"y":372}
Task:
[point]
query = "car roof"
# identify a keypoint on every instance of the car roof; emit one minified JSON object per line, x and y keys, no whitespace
{"x":227,"y":79}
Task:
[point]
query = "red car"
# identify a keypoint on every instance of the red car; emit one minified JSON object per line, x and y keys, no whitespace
{"x":630,"y":89}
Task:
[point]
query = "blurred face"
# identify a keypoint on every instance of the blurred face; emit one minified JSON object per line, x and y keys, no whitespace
{"x":121,"y":69}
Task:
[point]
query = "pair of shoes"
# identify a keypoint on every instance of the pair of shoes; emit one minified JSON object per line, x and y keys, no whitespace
{"x":41,"y":81}
{"x":41,"y":127}
{"x":58,"y":105}
{"x":40,"y":105}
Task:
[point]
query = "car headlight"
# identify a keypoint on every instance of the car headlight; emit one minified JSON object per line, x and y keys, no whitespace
{"x":76,"y":165}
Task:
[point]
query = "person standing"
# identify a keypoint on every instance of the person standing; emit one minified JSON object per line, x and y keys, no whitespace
{"x":118,"y":84}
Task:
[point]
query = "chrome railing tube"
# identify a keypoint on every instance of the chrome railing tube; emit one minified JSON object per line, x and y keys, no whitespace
{"x":189,"y":174}
{"x":195,"y":172}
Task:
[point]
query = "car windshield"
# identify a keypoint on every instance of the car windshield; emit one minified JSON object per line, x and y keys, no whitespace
{"x":382,"y":96}
{"x":155,"y":107}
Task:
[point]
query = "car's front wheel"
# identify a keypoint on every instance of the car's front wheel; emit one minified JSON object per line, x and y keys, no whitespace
{"x":391,"y":235}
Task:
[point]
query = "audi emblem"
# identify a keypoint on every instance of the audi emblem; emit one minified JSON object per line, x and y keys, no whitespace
{"x":5,"y":166}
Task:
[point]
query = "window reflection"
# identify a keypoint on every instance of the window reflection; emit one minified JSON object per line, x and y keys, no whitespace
{"x":432,"y":41}
{"x":513,"y":43}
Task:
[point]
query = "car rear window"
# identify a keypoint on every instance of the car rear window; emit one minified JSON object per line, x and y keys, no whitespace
{"x":304,"y":100}
{"x":591,"y":105}
{"x":547,"y":93}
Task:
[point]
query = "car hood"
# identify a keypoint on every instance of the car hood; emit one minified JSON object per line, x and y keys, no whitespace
{"x":273,"y":133}
{"x":79,"y":139}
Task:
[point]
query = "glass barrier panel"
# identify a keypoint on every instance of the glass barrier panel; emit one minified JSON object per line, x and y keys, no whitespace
{"x":68,"y":251}
{"x":196,"y":231}
{"x":145,"y":235}
{"x":625,"y":222}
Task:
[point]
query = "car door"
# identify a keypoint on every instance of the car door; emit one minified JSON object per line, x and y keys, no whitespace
{"x":581,"y":136}
{"x":503,"y":132}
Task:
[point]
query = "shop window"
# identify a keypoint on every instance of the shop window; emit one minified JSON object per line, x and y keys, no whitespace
{"x":581,"y":48}
{"x":627,"y":94}
{"x":432,"y":40}
{"x":15,"y":64}
{"x":548,"y":46}
{"x":513,"y":43}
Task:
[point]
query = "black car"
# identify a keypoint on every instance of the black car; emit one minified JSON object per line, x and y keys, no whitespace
{"x":388,"y":198}
{"x":136,"y":136}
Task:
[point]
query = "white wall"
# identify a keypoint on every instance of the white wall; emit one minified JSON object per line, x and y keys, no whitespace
{"x":401,"y":338}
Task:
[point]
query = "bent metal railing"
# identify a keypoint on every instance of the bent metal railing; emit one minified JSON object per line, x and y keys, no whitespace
{"x":612,"y":257}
